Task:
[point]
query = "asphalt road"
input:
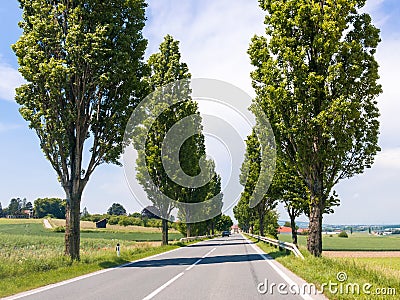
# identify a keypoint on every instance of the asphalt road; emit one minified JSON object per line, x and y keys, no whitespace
{"x":222,"y":268}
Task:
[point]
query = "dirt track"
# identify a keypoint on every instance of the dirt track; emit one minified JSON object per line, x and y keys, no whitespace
{"x":361,"y":253}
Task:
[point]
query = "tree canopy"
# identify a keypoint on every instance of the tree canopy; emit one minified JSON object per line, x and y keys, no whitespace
{"x":316,"y":80}
{"x":82,"y":61}
{"x":116,"y":209}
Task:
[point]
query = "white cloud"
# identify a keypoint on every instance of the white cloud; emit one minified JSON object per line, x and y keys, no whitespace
{"x":10,"y":79}
{"x":214,"y":35}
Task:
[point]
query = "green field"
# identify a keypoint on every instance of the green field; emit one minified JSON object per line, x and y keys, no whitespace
{"x":355,"y":242}
{"x":381,"y":274}
{"x":386,"y":265}
{"x":37,"y":229}
{"x":32,"y":256}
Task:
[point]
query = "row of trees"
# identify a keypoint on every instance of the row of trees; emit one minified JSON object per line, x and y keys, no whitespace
{"x":168,"y":80}
{"x":83,"y":63}
{"x":316,"y":80}
{"x":16,"y":207}
{"x":41,"y":207}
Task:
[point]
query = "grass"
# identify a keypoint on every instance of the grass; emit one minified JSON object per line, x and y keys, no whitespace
{"x":355,"y":242}
{"x":387,"y":265}
{"x":32,"y":256}
{"x":323,"y":270}
{"x":37,"y":229}
{"x":87,"y":225}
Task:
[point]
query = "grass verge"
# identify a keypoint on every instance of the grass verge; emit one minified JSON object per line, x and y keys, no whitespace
{"x":24,"y":270}
{"x":323,"y":270}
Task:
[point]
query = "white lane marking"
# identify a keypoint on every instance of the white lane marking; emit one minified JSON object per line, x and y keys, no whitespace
{"x":279,"y":271}
{"x":58,"y":284}
{"x":154,"y":293}
{"x":191,"y":266}
{"x":150,"y":296}
{"x":208,"y":253}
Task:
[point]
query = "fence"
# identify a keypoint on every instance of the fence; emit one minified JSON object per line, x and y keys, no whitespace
{"x":277,"y":243}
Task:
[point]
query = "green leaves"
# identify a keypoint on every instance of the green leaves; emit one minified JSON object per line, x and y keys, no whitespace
{"x":82,"y":60}
{"x":168,"y":105}
{"x":316,"y":79}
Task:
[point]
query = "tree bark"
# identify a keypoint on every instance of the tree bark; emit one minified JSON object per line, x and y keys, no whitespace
{"x":164,"y":232}
{"x":212,"y":227}
{"x":261,"y":220}
{"x":294,"y":230}
{"x":72,"y":227}
{"x":314,"y":240}
{"x":188,"y":230}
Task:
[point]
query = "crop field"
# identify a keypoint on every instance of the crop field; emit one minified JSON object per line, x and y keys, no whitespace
{"x":35,"y":228}
{"x":87,"y":225}
{"x":390,"y":266}
{"x":355,"y":242}
{"x":380,"y":273}
{"x":32,"y":256}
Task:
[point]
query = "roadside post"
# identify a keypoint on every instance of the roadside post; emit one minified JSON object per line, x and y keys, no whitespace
{"x":118,"y":250}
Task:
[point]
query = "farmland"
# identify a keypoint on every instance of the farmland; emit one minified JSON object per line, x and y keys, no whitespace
{"x":32,"y":256}
{"x":355,"y":242}
{"x":380,"y":273}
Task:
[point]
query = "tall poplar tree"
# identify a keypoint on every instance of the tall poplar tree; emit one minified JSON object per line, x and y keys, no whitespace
{"x":166,"y":69}
{"x":250,"y":175}
{"x":82,"y":60}
{"x":316,"y":79}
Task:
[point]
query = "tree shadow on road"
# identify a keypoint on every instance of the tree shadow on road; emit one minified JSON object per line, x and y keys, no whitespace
{"x":186,"y":261}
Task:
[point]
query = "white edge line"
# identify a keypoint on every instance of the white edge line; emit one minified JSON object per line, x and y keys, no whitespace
{"x":68,"y":281}
{"x":279,"y":271}
{"x":150,"y":296}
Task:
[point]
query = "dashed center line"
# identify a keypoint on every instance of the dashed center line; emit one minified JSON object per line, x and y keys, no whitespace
{"x":155,"y":292}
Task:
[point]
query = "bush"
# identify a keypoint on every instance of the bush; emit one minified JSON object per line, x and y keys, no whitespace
{"x":125,"y":221}
{"x":136,"y":221}
{"x":343,"y":234}
{"x":59,"y":229}
{"x":95,"y":217}
{"x":154,"y":223}
{"x":114,"y":220}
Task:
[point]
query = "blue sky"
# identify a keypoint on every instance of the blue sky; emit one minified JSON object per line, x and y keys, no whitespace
{"x":214,"y":39}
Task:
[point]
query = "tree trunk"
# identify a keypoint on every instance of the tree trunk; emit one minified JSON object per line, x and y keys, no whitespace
{"x":314,"y":240}
{"x":261,"y":220}
{"x":72,"y":227}
{"x":212,"y":227}
{"x":188,"y":230}
{"x":164,"y":232}
{"x":294,"y":230}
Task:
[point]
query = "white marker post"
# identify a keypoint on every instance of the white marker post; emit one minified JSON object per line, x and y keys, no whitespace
{"x":118,"y":250}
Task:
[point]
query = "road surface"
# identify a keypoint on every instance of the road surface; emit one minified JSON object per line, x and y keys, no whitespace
{"x":222,"y":268}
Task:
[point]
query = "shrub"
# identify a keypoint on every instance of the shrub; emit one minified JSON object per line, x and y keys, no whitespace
{"x":343,"y":234}
{"x":59,"y":229}
{"x":154,"y":223}
{"x":95,"y":218}
{"x":136,"y":221}
{"x":114,"y":220}
{"x":125,"y":221}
